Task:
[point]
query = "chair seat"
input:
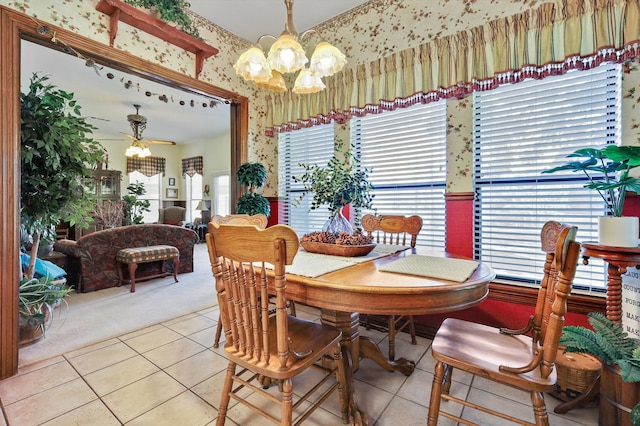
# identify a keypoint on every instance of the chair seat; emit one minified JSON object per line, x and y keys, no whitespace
{"x":481,"y":349}
{"x":320,"y":339}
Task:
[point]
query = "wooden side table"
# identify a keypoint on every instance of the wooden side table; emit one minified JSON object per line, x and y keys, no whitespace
{"x":619,"y":259}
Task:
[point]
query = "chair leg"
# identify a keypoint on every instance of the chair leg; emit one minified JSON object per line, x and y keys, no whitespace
{"x":412,"y":330}
{"x":226,"y":390}
{"x":539,"y":409}
{"x":287,"y":404}
{"x":216,"y":341}
{"x":292,"y":308}
{"x":341,"y":378}
{"x":436,"y":389}
{"x":392,"y":337}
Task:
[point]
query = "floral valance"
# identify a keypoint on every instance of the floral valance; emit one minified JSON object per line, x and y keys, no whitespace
{"x":191,"y":166}
{"x":148,"y":166}
{"x":549,"y":40}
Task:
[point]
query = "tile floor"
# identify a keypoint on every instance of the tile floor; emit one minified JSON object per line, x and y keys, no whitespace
{"x":169,"y":374}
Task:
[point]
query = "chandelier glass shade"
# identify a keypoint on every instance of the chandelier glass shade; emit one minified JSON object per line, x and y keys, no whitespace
{"x":138,"y":149}
{"x":285,"y":56}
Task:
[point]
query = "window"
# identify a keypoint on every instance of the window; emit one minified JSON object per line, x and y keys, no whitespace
{"x":313,"y":145}
{"x":152,"y":193}
{"x":194,"y":196}
{"x":521,"y":130}
{"x":406,"y":150}
{"x":221,"y":194}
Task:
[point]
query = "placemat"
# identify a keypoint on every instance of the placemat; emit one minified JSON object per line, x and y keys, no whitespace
{"x":435,"y":267}
{"x":313,"y":264}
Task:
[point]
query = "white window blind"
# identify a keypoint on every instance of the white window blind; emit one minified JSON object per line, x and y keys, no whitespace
{"x":521,"y":130}
{"x":152,"y":193}
{"x":406,"y":150}
{"x":313,"y":145}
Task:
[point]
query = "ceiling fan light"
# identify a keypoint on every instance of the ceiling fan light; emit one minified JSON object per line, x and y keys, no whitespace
{"x":306,"y":83}
{"x":252,"y":65}
{"x":286,"y":55}
{"x":276,"y":83}
{"x":326,"y":60}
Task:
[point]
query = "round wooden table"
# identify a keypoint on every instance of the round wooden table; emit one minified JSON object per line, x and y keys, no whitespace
{"x":343,"y":294}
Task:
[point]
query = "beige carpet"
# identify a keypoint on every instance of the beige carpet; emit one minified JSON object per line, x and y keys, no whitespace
{"x":104,"y":314}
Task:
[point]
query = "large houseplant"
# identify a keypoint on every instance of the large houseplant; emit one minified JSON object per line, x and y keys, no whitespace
{"x":608,"y":170}
{"x":134,"y":206}
{"x":56,"y":154}
{"x":340,"y":183}
{"x":253,"y":176}
{"x":609,"y":342}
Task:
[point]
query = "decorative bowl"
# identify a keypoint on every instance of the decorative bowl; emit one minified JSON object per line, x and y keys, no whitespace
{"x":337,"y":249}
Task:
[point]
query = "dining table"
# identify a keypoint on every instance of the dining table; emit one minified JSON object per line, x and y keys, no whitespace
{"x":389,"y":280}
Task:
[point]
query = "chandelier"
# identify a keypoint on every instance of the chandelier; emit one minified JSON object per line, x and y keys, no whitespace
{"x":138,"y":124}
{"x":286,"y":55}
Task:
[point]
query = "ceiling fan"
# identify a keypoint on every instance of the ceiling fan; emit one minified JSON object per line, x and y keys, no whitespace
{"x":138,"y":147}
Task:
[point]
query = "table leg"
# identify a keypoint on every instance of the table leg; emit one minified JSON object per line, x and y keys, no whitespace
{"x":361,"y":346}
{"x":614,"y":292}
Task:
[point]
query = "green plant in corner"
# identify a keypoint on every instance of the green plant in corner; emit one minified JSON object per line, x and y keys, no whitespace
{"x":170,"y":11}
{"x":609,"y":342}
{"x":56,"y":154}
{"x":608,"y":172}
{"x":134,"y":207}
{"x":253,"y":176}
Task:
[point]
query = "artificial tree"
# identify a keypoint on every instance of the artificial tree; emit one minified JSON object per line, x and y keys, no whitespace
{"x":56,"y":155}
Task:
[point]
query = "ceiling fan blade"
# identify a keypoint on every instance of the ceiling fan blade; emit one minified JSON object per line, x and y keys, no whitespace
{"x":129,"y":136}
{"x":159,"y":142}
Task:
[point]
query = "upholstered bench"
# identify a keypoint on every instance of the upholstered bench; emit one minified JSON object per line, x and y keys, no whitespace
{"x":133,"y":256}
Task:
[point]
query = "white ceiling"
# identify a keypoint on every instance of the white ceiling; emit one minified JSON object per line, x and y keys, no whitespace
{"x":250,"y":19}
{"x":109,"y":102}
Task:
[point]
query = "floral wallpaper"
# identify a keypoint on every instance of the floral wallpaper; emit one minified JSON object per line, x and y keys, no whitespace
{"x":373,"y":30}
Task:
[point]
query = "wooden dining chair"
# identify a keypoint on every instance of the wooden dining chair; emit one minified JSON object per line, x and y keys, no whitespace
{"x":259,"y":345}
{"x":398,"y":230}
{"x":261,"y":222}
{"x":258,"y":220}
{"x":524,"y":358}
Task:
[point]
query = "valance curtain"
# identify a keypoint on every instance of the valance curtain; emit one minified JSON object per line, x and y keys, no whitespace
{"x":148,"y":166}
{"x":191,"y":166}
{"x":549,"y":40}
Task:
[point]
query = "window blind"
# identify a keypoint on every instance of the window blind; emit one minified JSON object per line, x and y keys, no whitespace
{"x":406,"y":150}
{"x":521,"y":130}
{"x":313,"y":145}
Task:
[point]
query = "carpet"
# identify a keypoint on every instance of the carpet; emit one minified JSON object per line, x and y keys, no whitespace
{"x":100,"y":315}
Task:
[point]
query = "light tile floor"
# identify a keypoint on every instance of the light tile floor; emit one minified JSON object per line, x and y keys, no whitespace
{"x":169,"y":374}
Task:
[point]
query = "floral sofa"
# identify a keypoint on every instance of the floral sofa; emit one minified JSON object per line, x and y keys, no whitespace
{"x":91,"y":261}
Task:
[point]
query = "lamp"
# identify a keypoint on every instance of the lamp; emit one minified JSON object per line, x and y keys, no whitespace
{"x":286,"y":55}
{"x":202,"y":207}
{"x":138,"y":124}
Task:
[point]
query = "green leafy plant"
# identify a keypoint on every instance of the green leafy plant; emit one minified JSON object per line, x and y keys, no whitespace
{"x":35,"y":297}
{"x":56,"y":154}
{"x":134,"y":207}
{"x":613,"y":164}
{"x":253,"y":176}
{"x":339,"y":183}
{"x":170,"y":11}
{"x":609,"y":342}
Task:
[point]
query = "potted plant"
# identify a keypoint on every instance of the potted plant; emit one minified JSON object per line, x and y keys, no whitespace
{"x":608,"y":172}
{"x":620,"y":356}
{"x":36,"y":297}
{"x":134,"y":207}
{"x":173,"y":11}
{"x":253,"y":176}
{"x":340,"y":183}
{"x":56,"y":154}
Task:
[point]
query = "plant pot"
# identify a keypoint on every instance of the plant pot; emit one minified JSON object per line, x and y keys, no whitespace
{"x":618,"y":231}
{"x":33,"y":331}
{"x":617,"y":398}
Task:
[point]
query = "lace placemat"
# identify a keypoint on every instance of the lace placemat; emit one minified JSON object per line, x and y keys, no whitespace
{"x":434,"y":267}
